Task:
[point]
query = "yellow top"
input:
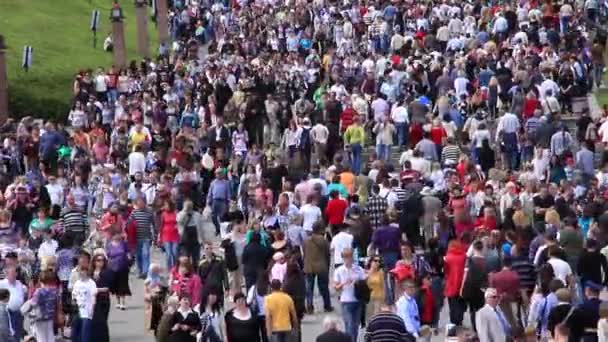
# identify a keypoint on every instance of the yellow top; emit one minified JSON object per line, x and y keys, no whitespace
{"x":138,"y":138}
{"x":354,"y":135}
{"x":375,"y":281}
{"x":279,"y":306}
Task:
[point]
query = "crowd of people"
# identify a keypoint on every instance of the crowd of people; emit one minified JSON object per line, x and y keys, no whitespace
{"x":258,"y":152}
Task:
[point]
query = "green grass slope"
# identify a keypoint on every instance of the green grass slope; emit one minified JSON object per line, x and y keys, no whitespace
{"x":58,"y":31}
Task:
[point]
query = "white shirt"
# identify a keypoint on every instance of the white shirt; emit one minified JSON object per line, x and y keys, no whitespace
{"x":47,"y":248}
{"x":55,"y":193}
{"x":603,"y":131}
{"x":17,"y":291}
{"x":100,"y":84}
{"x":548,"y":84}
{"x":137,"y":163}
{"x":460,"y":85}
{"x":561,"y":269}
{"x":310,"y":214}
{"x":479,"y":136}
{"x":399,"y":115}
{"x":84,"y":292}
{"x":509,"y":123}
{"x":319,"y":133}
{"x":339,"y":243}
{"x":343,"y":275}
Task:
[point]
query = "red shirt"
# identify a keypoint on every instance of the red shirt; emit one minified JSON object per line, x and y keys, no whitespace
{"x":453,"y":267}
{"x":347,"y":118}
{"x":168,"y":229}
{"x":336,"y":208}
{"x":530,"y":105}
{"x":437,"y":134}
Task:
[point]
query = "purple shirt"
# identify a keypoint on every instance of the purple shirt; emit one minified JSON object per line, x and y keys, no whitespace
{"x":117,"y":256}
{"x":386,"y":239}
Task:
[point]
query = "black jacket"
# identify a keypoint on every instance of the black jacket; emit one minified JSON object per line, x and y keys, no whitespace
{"x":212,"y":272}
{"x":333,"y":336}
{"x":255,"y":258}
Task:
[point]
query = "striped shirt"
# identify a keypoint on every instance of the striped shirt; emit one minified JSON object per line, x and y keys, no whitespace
{"x":402,"y":196}
{"x":532,"y":125}
{"x":144,"y":224}
{"x":387,"y":327}
{"x":451,"y":153}
{"x":526,"y":272}
{"x":73,"y":220}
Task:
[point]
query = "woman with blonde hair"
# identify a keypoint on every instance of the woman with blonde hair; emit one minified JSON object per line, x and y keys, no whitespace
{"x":552,"y":217}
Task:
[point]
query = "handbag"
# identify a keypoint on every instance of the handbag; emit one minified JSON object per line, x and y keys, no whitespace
{"x":31,"y":310}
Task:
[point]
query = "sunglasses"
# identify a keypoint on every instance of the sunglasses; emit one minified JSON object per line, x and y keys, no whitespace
{"x":375,"y":260}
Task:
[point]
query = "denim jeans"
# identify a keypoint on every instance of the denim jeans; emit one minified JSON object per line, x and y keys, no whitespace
{"x":322,"y":284}
{"x":356,"y":150}
{"x":17,"y":322}
{"x":383,"y":151}
{"x":218,"y":209}
{"x":142,"y":256}
{"x":171,"y":253}
{"x":280,"y":336}
{"x":402,"y":133}
{"x":351,"y":315}
{"x":112,"y":96}
{"x":82,"y":330}
{"x":564,"y":23}
{"x":389,"y":259}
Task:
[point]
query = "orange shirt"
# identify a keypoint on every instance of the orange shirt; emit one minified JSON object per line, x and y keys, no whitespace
{"x":348,"y":180}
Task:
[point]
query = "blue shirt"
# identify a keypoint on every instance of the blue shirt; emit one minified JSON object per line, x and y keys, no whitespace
{"x":584,"y":161}
{"x":219,"y":190}
{"x":407,"y":309}
{"x":544,"y":308}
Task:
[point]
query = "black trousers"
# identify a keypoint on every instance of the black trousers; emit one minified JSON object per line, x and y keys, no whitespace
{"x":457,"y":307}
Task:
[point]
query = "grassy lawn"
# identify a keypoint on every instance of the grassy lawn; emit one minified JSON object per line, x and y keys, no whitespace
{"x":59,"y":33}
{"x":602,"y":97}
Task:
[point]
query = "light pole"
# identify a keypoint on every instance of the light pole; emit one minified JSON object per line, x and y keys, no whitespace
{"x":118,"y":36}
{"x":143,"y":40}
{"x":162,"y":15}
{"x":3,"y":83}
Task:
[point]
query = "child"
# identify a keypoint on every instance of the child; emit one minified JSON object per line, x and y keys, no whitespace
{"x":154,"y":289}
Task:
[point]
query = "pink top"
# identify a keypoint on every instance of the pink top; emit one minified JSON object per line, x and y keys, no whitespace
{"x":101,"y":152}
{"x":278,"y":271}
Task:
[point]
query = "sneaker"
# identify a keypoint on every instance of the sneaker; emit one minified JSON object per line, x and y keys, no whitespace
{"x":123,"y":307}
{"x":329,"y":309}
{"x":118,"y":306}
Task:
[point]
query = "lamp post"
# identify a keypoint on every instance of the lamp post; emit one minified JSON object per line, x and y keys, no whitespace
{"x":118,"y":36}
{"x":3,"y":82}
{"x":162,"y":15}
{"x":143,"y":40}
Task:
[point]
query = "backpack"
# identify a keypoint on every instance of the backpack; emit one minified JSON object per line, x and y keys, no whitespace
{"x":305,"y":140}
{"x":362,"y":291}
{"x":477,"y":279}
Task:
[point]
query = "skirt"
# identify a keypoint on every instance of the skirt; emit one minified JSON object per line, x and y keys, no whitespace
{"x":120,"y":283}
